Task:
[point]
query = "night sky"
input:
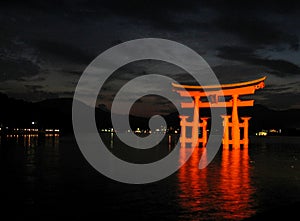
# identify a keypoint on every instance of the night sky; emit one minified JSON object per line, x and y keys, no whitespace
{"x":46,"y":45}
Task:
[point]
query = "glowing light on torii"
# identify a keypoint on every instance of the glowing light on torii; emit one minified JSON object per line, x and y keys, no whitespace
{"x":231,"y":123}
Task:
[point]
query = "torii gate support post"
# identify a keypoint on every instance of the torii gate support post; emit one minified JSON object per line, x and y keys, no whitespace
{"x":235,"y":131}
{"x":225,"y":140}
{"x":203,"y":140}
{"x":183,"y":125}
{"x":195,"y":128}
{"x":245,"y":125}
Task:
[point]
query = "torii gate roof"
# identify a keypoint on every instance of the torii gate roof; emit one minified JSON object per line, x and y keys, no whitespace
{"x":259,"y":82}
{"x":215,"y":92}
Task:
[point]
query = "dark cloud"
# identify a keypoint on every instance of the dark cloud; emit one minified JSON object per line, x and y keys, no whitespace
{"x":51,"y":42}
{"x":280,"y":100}
{"x":147,"y":9}
{"x":145,"y":67}
{"x":34,"y":88}
{"x":12,"y":69}
{"x":251,"y":6}
{"x":233,"y":71}
{"x":73,"y":72}
{"x":36,"y":78}
{"x":38,"y":92}
{"x":277,"y":89}
{"x":63,"y":51}
{"x":248,"y":56}
{"x":254,"y":31}
{"x":34,"y":95}
{"x":66,"y":94}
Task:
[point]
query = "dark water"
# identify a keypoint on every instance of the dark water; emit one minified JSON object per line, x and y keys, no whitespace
{"x":48,"y":178}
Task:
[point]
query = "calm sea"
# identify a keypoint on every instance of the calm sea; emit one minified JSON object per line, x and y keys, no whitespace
{"x":48,"y":178}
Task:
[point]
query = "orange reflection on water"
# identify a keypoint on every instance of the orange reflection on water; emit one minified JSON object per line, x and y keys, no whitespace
{"x":235,"y":184}
{"x":221,"y":191}
{"x":192,"y":181}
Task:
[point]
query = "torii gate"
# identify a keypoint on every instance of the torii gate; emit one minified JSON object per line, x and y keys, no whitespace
{"x":232,"y":127}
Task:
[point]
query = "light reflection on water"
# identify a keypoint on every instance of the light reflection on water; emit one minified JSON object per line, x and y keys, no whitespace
{"x":218,"y":191}
{"x":235,"y":184}
{"x":41,"y":167}
{"x":50,"y":173}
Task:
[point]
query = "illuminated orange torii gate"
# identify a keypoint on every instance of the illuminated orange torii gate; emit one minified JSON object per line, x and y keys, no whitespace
{"x":231,"y":123}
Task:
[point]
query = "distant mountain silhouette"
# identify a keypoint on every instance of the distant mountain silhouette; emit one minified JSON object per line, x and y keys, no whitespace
{"x":57,"y":113}
{"x":265,"y":118}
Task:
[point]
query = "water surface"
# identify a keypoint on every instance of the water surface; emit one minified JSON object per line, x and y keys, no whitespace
{"x":48,"y":178}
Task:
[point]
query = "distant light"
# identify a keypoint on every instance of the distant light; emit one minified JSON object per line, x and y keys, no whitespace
{"x":262,"y":133}
{"x":32,"y":122}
